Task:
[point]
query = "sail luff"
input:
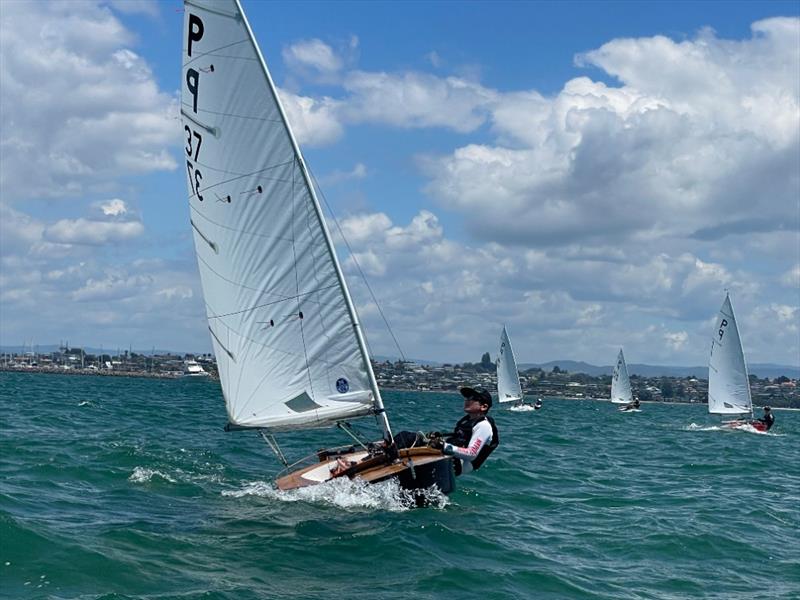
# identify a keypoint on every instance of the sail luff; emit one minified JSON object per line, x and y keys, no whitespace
{"x":377,"y":399}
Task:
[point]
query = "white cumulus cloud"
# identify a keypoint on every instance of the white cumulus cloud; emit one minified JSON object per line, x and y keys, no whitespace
{"x":80,"y":107}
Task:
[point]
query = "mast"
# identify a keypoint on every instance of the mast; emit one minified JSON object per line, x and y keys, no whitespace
{"x":377,"y":400}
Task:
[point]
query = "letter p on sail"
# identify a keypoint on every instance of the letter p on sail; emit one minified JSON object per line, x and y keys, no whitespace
{"x":195,"y":31}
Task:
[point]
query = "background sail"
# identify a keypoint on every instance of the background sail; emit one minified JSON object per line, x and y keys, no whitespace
{"x":728,"y":384}
{"x":508,"y":387}
{"x":620,"y":382}
{"x":285,"y":344}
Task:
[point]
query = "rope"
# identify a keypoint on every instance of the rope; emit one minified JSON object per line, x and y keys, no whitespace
{"x":358,"y":266}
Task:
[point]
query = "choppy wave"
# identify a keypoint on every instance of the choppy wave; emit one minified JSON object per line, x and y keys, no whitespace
{"x":145,"y":475}
{"x":346,"y":493}
{"x":143,"y":496}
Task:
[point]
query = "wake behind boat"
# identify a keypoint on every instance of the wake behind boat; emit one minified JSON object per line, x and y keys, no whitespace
{"x":290,"y":350}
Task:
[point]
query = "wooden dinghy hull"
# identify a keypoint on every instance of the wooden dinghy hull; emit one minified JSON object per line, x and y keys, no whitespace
{"x":415,"y":469}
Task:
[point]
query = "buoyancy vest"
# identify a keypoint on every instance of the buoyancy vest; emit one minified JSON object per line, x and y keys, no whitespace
{"x":462,"y":434}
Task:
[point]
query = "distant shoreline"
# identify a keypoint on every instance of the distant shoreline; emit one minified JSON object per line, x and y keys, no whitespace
{"x":104,"y":373}
{"x":178,"y":376}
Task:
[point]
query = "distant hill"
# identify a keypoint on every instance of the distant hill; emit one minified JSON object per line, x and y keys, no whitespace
{"x":758,"y":369}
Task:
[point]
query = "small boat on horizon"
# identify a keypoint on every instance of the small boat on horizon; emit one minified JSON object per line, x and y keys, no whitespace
{"x":191,"y":368}
{"x":509,"y":389}
{"x":621,"y":386}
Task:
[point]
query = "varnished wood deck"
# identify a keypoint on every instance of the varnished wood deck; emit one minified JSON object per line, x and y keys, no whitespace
{"x":371,"y":470}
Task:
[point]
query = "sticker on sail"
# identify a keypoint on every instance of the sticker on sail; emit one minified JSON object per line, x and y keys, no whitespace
{"x":342,"y":385}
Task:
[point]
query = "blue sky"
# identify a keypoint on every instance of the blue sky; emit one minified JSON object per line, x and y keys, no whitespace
{"x":592,"y":174}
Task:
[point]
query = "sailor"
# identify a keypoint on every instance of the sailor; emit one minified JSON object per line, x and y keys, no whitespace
{"x":475,"y":435}
{"x":631,"y":405}
{"x":768,"y":419}
{"x":538,"y":404}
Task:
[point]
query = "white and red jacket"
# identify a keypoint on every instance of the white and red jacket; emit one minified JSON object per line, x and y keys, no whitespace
{"x":479,"y":445}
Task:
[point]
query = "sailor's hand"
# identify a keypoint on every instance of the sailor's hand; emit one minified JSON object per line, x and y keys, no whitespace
{"x":433,"y":434}
{"x":436,"y":443}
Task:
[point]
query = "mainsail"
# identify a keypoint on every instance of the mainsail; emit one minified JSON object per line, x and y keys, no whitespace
{"x":287,"y":339}
{"x":728,"y":384}
{"x":508,"y":387}
{"x":620,"y":382}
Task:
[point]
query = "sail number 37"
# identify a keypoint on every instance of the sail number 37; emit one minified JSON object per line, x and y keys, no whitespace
{"x":195,"y":34}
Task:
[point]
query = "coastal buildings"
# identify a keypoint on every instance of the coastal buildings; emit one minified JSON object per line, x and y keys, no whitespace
{"x":404,"y":375}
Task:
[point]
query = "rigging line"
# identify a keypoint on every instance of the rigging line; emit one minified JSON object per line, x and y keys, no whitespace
{"x":358,"y":266}
{"x":238,"y":174}
{"x":232,"y":115}
{"x":224,"y":181}
{"x":229,"y":56}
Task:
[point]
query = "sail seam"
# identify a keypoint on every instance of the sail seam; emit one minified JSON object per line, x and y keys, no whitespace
{"x":232,"y":115}
{"x":242,"y":231}
{"x":257,"y":306}
{"x":271,"y":303}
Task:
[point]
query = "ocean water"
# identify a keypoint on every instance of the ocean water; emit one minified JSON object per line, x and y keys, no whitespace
{"x":128,"y":488}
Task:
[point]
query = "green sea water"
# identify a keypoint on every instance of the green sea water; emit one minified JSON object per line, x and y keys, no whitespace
{"x":129,"y":488}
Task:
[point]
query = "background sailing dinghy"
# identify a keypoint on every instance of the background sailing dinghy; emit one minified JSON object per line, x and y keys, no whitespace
{"x":621,"y":385}
{"x":728,"y":383}
{"x":509,"y":389}
{"x":288,"y":342}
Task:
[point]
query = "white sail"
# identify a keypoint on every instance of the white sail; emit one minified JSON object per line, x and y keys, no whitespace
{"x":620,"y":382}
{"x":728,"y":384}
{"x":288,"y":344}
{"x":508,"y":387}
